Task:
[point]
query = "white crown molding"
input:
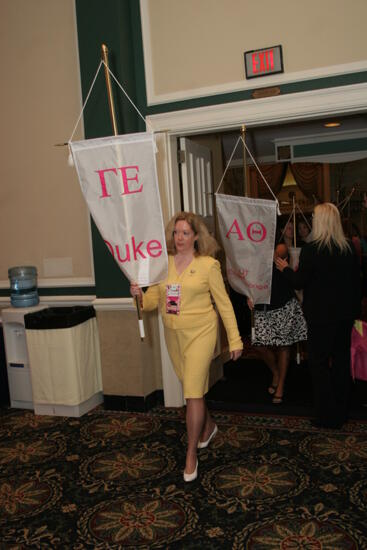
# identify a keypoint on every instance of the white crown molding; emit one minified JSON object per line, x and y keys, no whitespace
{"x":66,"y":282}
{"x":64,"y":301}
{"x":258,"y":112}
{"x":228,"y":87}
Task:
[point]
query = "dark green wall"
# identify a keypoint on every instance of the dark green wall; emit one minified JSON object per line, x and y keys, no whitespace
{"x":330,"y":147}
{"x":115,"y":23}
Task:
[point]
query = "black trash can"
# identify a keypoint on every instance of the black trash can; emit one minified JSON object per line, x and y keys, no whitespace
{"x":64,"y":358}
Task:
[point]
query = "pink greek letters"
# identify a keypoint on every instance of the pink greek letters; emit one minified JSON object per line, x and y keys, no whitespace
{"x":256,"y":231}
{"x":129,"y":174}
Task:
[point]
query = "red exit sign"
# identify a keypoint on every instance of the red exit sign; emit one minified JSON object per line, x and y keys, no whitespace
{"x":264,"y":62}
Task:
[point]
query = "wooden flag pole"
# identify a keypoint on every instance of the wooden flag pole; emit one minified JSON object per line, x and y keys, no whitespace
{"x":111,"y":105}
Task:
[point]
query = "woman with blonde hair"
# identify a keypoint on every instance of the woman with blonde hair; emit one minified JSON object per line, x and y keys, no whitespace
{"x":328,"y":273}
{"x":190,"y":322}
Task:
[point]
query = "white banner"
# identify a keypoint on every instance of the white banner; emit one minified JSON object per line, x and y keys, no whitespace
{"x":118,"y":178}
{"x":247,"y":229}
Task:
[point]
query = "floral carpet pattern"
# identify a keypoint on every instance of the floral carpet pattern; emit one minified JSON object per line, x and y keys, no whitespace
{"x":112,"y":480}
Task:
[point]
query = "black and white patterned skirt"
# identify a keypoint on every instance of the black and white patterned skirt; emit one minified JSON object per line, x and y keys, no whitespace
{"x":280,"y":327}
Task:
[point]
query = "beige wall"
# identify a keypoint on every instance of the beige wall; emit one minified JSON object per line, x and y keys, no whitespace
{"x":43,"y":215}
{"x":44,"y":219}
{"x":129,"y":367}
{"x":199,"y":44}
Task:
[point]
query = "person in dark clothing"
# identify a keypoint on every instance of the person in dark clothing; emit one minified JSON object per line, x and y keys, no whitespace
{"x":278,"y":325}
{"x":304,"y":232}
{"x":328,"y":273}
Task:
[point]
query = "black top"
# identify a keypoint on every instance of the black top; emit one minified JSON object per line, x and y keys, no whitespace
{"x":330,"y":281}
{"x":281,"y":291}
{"x":58,"y":317}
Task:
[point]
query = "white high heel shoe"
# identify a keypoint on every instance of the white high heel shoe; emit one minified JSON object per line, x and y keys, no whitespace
{"x":203,"y":444}
{"x":191,"y":477}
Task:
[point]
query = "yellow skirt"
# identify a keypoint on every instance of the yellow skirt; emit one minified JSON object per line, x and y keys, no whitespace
{"x":191,"y":351}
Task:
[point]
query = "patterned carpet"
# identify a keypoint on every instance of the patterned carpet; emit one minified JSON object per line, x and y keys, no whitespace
{"x":114,"y":480}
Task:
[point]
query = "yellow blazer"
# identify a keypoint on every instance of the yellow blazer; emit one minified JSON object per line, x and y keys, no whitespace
{"x":200,"y":282}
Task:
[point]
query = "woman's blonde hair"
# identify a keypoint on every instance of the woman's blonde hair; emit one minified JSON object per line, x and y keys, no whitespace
{"x":205,"y":244}
{"x":327,"y":229}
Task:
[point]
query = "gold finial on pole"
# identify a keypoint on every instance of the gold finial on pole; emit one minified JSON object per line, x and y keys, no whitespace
{"x":109,"y":89}
{"x":243,"y":133}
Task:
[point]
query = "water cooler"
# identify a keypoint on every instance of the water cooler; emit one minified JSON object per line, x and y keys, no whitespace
{"x":17,"y":359}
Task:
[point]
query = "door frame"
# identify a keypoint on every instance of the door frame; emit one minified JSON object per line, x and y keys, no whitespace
{"x":327,"y":102}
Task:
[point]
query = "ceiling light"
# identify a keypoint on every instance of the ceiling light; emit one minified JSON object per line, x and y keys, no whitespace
{"x":334,"y":124}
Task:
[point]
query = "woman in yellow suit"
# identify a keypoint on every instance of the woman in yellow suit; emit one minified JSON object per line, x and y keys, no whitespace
{"x":190,"y":321}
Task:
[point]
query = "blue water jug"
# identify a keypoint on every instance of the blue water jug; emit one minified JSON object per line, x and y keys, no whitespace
{"x":23,"y":286}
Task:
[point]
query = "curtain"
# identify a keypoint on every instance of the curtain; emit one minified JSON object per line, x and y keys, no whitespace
{"x":274,"y":175}
{"x":308,"y":177}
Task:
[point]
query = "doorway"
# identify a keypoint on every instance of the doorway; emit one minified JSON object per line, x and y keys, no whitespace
{"x":243,"y":385}
{"x":228,"y":118}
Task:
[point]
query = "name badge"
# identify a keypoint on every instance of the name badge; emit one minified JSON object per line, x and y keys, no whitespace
{"x":173,"y":299}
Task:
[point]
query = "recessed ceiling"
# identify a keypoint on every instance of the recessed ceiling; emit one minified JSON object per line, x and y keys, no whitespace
{"x":261,"y":140}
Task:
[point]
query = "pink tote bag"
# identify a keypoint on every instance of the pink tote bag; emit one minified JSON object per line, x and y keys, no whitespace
{"x":358,"y":363}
